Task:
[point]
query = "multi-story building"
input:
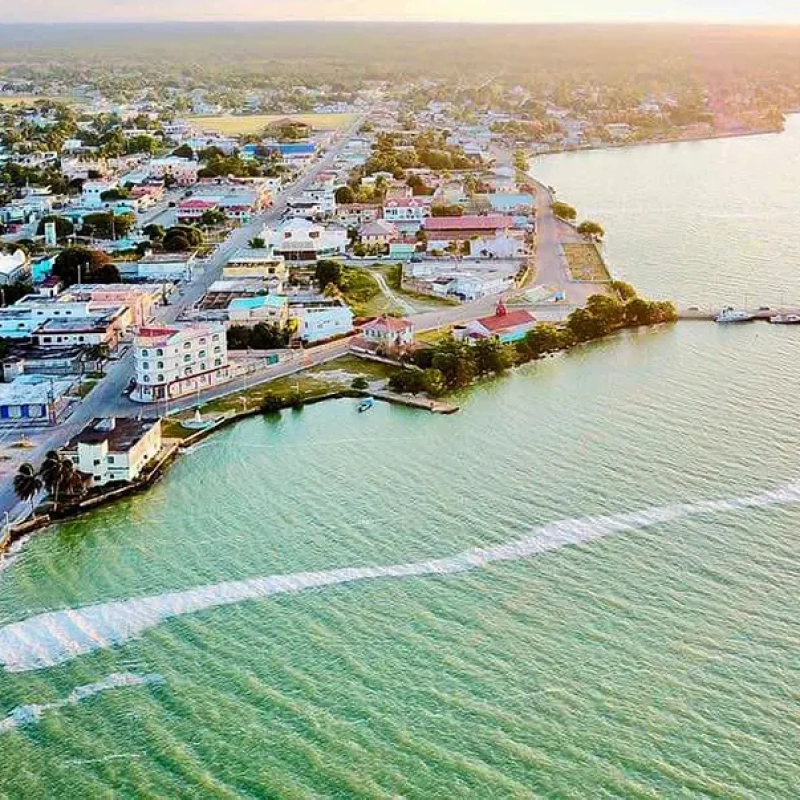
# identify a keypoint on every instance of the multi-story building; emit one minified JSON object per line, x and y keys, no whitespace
{"x":301,"y":240}
{"x":115,"y":449}
{"x":407,"y":213}
{"x":176,"y":361}
{"x":321,"y":319}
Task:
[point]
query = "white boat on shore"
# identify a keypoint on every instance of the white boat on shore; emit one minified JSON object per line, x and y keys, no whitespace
{"x":785,"y":319}
{"x":730,"y":314}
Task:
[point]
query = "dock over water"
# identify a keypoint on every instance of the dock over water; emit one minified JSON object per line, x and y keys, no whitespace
{"x":763,"y":313}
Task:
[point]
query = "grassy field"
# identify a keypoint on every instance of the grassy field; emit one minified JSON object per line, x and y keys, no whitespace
{"x":585,"y":262}
{"x":240,"y":126}
{"x":30,"y":99}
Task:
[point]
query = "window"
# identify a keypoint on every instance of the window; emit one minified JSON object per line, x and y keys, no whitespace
{"x":161,"y":379}
{"x":187,"y":345}
{"x":147,"y":379}
{"x":145,"y":353}
{"x":202,"y":365}
{"x":96,"y":461}
{"x":159,"y":352}
{"x":202,"y":354}
{"x":160,"y":365}
{"x":146,"y":365}
{"x":217,"y":362}
{"x":187,"y":358}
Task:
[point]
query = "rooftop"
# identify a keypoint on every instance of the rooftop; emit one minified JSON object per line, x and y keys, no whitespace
{"x":261,"y":301}
{"x":393,"y":324}
{"x":469,"y":222}
{"x":121,"y":433}
{"x":510,"y":319}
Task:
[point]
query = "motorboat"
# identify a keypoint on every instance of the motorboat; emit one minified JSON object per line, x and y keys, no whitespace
{"x":365,"y":405}
{"x":785,"y":319}
{"x":730,"y":314}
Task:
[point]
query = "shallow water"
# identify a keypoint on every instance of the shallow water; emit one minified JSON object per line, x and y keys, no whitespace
{"x":658,"y":660}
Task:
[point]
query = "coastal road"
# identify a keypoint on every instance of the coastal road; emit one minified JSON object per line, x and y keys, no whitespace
{"x":107,"y":398}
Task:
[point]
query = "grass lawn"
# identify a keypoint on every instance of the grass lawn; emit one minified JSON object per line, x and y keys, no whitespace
{"x":394,"y":275}
{"x":363,"y":294}
{"x":240,"y":126}
{"x":433,"y":336}
{"x":84,"y":388}
{"x":585,"y":262}
{"x":371,"y":370}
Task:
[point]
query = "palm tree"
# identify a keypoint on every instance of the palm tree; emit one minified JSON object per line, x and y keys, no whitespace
{"x":97,"y":353}
{"x":55,"y":472}
{"x":27,"y":484}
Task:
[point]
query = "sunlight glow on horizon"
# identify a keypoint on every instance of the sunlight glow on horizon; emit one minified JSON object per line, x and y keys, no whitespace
{"x":475,"y":11}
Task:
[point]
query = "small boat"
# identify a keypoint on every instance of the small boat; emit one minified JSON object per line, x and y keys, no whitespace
{"x":365,"y":405}
{"x":730,"y":314}
{"x":785,"y":319}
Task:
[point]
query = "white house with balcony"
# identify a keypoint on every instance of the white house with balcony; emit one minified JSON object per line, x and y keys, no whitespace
{"x":115,"y":449}
{"x":407,"y":213}
{"x":172,"y":362}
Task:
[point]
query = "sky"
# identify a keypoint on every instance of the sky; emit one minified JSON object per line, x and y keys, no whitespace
{"x":545,"y":11}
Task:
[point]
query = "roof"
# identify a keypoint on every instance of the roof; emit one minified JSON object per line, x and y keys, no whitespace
{"x":260,"y":301}
{"x":406,"y":202}
{"x":199,"y":205}
{"x":389,"y":324}
{"x":11,"y":263}
{"x":124,"y":434}
{"x":511,"y":319}
{"x":469,"y":222}
{"x":379,"y":227}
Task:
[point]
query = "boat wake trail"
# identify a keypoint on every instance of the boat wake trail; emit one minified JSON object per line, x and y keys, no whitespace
{"x":58,"y":636}
{"x":31,"y":714}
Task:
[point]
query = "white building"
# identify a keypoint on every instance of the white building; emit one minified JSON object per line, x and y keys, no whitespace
{"x":115,"y":449}
{"x":13,"y":267}
{"x":183,"y":170}
{"x":407,"y":213}
{"x":173,"y":362}
{"x":166,"y":267}
{"x":301,"y":240}
{"x":322,"y":320}
{"x":270,"y":308}
{"x":92,"y":193}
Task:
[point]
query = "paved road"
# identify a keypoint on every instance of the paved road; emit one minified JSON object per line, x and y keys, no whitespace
{"x":107,"y":398}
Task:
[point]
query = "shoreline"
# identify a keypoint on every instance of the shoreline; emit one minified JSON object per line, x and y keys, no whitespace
{"x":707,"y":137}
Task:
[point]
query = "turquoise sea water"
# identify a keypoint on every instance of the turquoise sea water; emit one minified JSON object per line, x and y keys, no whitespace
{"x":660,"y":660}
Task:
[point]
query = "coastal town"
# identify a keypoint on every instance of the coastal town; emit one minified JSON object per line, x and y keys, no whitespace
{"x":173,"y":261}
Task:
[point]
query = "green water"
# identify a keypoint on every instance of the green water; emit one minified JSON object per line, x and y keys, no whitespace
{"x":660,"y":662}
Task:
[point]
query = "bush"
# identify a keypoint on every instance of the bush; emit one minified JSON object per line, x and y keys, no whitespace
{"x":271,"y":405}
{"x":360,"y":383}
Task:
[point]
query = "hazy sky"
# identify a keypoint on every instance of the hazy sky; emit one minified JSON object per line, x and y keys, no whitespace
{"x":434,"y":10}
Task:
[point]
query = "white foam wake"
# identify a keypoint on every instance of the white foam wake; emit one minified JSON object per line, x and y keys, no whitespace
{"x":31,"y":714}
{"x":58,"y":636}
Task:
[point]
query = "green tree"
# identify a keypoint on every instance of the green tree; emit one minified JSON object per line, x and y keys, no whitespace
{"x":360,"y":383}
{"x":345,"y":195}
{"x":93,"y":266}
{"x":154,"y":232}
{"x":108,"y":225}
{"x":184,"y":151}
{"x":328,"y":273}
{"x":625,"y":291}
{"x":591,"y":230}
{"x":213,"y":218}
{"x":257,"y":243}
{"x":64,"y":227}
{"x":564,"y":211}
{"x":27,"y":484}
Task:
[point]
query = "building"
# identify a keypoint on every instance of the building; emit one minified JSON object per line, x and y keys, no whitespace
{"x":182,"y":170}
{"x":388,"y":332}
{"x":514,"y":203}
{"x":30,"y":360}
{"x":115,"y":449}
{"x":379,"y":233}
{"x":190,"y":211}
{"x":487,"y":236}
{"x":319,"y":320}
{"x":302,"y":240}
{"x":165,"y":267}
{"x":33,"y":400}
{"x":13,"y":267}
{"x":31,"y":314}
{"x":294,"y":152}
{"x":269,"y":308}
{"x":176,"y":361}
{"x":87,"y":331}
{"x":92,"y":193}
{"x":140,"y":298}
{"x":408,"y":213}
{"x":354,"y":214}
{"x":505,"y":326}
{"x":260,"y":263}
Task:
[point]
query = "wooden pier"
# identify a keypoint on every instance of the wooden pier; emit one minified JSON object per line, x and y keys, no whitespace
{"x":763,"y":313}
{"x":412,"y":401}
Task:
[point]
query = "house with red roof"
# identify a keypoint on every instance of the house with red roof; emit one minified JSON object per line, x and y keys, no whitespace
{"x":486,"y":235}
{"x":193,"y":210}
{"x":504,"y":325}
{"x":388,"y":332}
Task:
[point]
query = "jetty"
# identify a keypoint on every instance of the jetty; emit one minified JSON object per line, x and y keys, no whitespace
{"x":413,"y":401}
{"x":762,"y":313}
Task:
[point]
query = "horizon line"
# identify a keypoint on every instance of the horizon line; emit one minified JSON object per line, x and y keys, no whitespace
{"x":709,"y":23}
